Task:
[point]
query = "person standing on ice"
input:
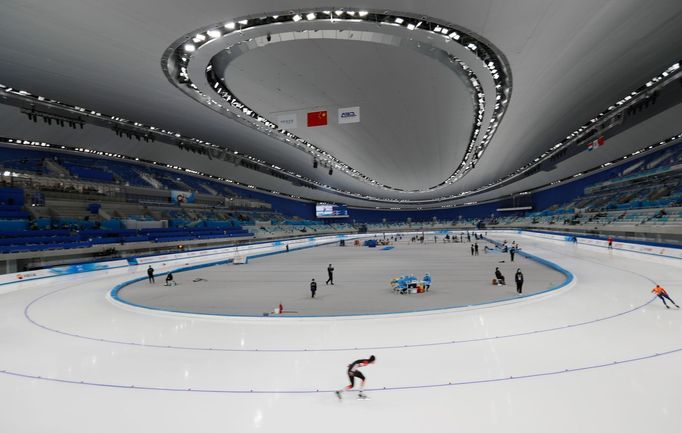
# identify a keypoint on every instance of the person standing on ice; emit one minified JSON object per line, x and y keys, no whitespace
{"x":313,"y":288}
{"x":663,"y":295}
{"x":518,"y":277}
{"x":353,"y":372}
{"x":150,"y":274}
{"x":330,"y":274}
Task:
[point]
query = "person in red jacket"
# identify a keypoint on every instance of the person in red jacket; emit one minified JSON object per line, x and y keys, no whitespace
{"x":353,"y":373}
{"x":661,"y":293}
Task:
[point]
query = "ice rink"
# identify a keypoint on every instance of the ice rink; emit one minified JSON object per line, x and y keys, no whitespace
{"x":598,"y":355}
{"x":362,"y":281}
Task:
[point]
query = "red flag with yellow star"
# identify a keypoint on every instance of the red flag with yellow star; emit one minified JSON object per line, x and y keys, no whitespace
{"x":317,"y":118}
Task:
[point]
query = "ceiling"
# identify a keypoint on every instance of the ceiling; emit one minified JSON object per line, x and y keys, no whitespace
{"x":568,"y":60}
{"x":415,"y":120}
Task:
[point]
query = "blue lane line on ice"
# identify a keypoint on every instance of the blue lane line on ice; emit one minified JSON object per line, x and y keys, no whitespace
{"x":114,"y":293}
{"x":316,"y":391}
{"x":569,"y":275}
{"x":405,"y":346}
{"x":332,"y":349}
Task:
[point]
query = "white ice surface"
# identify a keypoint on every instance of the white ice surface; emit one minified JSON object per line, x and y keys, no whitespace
{"x":597,"y":356}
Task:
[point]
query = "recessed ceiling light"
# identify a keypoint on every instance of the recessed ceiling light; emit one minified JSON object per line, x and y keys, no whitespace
{"x":338,"y":13}
{"x":311,"y":16}
{"x":363,"y":13}
{"x":213,"y":33}
{"x":244,"y":22}
{"x":190,"y":48}
{"x":399,"y":20}
{"x":229,"y":25}
{"x":297,"y":18}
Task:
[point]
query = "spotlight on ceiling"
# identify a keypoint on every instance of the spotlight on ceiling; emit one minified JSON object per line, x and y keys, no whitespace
{"x":363,"y":13}
{"x":244,"y":22}
{"x":190,"y":48}
{"x":214,"y":33}
{"x":297,"y":18}
{"x":399,"y":20}
{"x":338,"y":13}
{"x":229,"y":26}
{"x":311,"y":16}
{"x":411,"y":26}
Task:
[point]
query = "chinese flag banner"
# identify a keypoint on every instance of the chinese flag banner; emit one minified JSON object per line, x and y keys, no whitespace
{"x":317,"y":118}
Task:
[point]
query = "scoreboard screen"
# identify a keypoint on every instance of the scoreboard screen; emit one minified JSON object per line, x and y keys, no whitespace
{"x":326,"y":210}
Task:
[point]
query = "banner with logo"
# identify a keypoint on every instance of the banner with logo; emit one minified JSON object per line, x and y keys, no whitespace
{"x":349,"y":115}
{"x":287,"y":121}
{"x":182,"y":197}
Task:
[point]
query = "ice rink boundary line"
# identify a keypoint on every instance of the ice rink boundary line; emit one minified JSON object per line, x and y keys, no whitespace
{"x":114,"y":294}
{"x":338,"y":349}
{"x":329,"y":391}
{"x":405,"y":346}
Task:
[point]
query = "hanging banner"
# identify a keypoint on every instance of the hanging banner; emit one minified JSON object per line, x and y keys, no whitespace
{"x":317,"y":118}
{"x":349,"y":115}
{"x":287,"y":121}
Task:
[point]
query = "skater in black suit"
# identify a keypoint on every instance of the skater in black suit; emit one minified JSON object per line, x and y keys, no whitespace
{"x":353,"y":373}
{"x":313,"y":288}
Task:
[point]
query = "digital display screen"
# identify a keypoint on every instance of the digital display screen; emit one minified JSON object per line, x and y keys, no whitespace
{"x":326,"y":210}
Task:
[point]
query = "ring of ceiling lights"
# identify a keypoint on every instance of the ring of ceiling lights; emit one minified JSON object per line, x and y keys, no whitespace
{"x":667,"y":76}
{"x":189,"y":63}
{"x":221,"y":61}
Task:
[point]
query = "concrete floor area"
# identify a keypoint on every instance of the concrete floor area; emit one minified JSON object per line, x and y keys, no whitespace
{"x":361,"y":277}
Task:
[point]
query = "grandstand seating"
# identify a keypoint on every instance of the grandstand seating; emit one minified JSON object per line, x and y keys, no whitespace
{"x":35,"y":240}
{"x":85,"y":202}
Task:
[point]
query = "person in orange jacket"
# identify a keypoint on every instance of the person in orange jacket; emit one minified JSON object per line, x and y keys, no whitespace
{"x":661,"y":293}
